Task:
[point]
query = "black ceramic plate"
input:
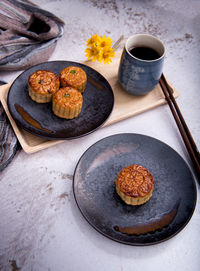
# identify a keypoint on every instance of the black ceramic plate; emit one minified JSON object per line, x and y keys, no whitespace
{"x":171,"y":205}
{"x":39,"y":119}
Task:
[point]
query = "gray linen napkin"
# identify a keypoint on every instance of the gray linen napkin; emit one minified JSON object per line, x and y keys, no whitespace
{"x":8,"y":140}
{"x":28,"y":34}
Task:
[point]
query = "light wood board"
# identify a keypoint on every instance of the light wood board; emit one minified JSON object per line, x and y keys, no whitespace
{"x":125,"y":105}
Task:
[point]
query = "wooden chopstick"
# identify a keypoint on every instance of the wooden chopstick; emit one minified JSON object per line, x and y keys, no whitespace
{"x":183,"y":128}
{"x":170,"y":91}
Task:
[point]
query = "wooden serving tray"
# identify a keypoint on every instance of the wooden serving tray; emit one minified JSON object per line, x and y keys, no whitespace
{"x":125,"y":106}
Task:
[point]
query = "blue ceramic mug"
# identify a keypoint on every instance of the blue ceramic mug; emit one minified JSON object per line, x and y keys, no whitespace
{"x":141,"y":64}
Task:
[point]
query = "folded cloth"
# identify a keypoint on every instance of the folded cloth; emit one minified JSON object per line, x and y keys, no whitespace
{"x":8,"y":140}
{"x":28,"y":34}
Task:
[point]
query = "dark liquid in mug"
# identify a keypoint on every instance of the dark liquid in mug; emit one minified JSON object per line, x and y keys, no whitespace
{"x":144,"y":53}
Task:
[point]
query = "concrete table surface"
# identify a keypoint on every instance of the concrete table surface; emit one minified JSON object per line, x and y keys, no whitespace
{"x":41,"y":228}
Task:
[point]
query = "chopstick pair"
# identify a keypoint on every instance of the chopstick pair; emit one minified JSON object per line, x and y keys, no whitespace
{"x":182,"y":126}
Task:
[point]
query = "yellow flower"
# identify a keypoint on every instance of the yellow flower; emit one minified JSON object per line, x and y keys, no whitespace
{"x":93,"y":52}
{"x":99,"y":48}
{"x":105,"y":42}
{"x":107,"y":53}
{"x":94,"y":40}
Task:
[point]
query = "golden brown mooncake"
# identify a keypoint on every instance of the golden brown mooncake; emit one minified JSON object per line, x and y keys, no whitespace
{"x":42,"y":85}
{"x":134,"y":184}
{"x":73,"y":77}
{"x":67,"y":103}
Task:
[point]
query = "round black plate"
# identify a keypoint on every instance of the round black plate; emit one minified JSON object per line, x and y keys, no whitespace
{"x":39,"y":119}
{"x":94,"y":188}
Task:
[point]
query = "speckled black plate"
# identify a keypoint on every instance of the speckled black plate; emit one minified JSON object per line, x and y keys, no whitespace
{"x":39,"y":119}
{"x":171,"y":205}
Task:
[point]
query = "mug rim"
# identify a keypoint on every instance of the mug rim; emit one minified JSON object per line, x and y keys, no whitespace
{"x":146,"y":35}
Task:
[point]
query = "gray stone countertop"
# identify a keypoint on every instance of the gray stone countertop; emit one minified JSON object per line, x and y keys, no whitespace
{"x":41,"y":228}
